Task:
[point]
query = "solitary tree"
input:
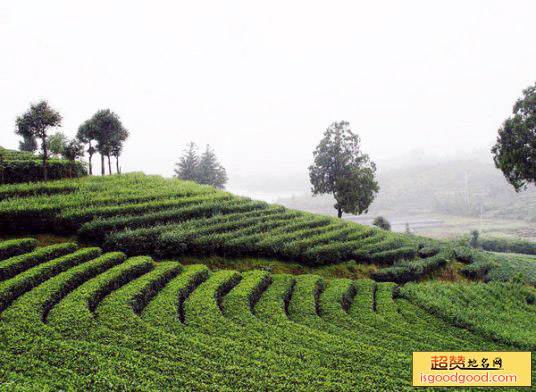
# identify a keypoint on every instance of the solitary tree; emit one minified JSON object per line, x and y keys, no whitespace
{"x":475,"y":239}
{"x":186,"y":168}
{"x":209,"y":170}
{"x":28,"y":144}
{"x":382,"y":223}
{"x":515,"y":150}
{"x":35,"y":123}
{"x":87,"y":134}
{"x":342,"y":169}
{"x":72,"y":150}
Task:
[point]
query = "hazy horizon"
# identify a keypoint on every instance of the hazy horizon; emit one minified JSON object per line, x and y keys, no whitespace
{"x":260,"y":83}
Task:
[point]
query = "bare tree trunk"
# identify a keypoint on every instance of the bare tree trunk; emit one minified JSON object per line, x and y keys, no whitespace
{"x":90,"y":156}
{"x":2,"y":169}
{"x":109,"y":166}
{"x":339,"y":212}
{"x":103,"y":172}
{"x":117,"y":164}
{"x":45,"y":159}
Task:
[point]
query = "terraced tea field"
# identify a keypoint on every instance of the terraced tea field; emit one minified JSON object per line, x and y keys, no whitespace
{"x":167,"y":218}
{"x":84,"y":319}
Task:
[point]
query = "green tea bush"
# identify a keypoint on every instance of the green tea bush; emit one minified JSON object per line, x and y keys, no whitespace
{"x":140,"y":215}
{"x":508,"y":245}
{"x":21,"y":167}
{"x":16,"y":247}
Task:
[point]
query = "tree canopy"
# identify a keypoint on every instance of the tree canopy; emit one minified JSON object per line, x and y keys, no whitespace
{"x":210,"y":172}
{"x":56,"y":143}
{"x":342,"y":169}
{"x":108,"y":133}
{"x":203,"y":170}
{"x":28,"y":144}
{"x":35,"y":123}
{"x":87,"y":134}
{"x":382,"y":223}
{"x":186,"y":168}
{"x":72,"y":150}
{"x":515,"y":150}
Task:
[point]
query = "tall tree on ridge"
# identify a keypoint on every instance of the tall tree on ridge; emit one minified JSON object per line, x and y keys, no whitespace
{"x":108,"y":130}
{"x":35,"y":123}
{"x":210,"y":172}
{"x":515,"y":150}
{"x":342,"y":169}
{"x":186,"y":168}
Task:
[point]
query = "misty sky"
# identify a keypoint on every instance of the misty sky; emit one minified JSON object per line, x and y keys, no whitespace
{"x":260,"y":81}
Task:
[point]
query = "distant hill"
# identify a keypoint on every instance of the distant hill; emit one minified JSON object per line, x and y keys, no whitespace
{"x":460,"y":187}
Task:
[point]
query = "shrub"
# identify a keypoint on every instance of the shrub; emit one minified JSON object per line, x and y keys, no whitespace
{"x":382,"y":223}
{"x":412,"y":270}
{"x":463,"y":254}
{"x":20,"y":171}
{"x":508,"y":245}
{"x":428,"y":251}
{"x":475,"y":242}
{"x":16,"y":247}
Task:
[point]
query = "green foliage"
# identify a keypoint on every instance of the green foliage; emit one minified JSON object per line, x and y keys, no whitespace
{"x":140,"y":214}
{"x":506,"y":267}
{"x":56,"y":143}
{"x":92,"y":321}
{"x":28,"y":144}
{"x":340,"y":168}
{"x":382,"y":223}
{"x":203,"y":170}
{"x":109,"y":134}
{"x":73,"y":150}
{"x":210,"y":171}
{"x":35,"y":124}
{"x":406,"y":271}
{"x":19,"y":167}
{"x":493,"y":310}
{"x":186,"y":168}
{"x":428,"y":251}
{"x":12,"y":248}
{"x":515,"y":150}
{"x":11,"y":266}
{"x":508,"y":245}
{"x":474,"y":242}
{"x":87,"y":134}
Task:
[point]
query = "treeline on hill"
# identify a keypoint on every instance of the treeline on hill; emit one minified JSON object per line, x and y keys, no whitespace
{"x":140,"y":214}
{"x":18,"y":167}
{"x":104,"y":129}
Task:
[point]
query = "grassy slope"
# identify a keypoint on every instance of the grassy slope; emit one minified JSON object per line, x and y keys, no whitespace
{"x":92,"y":321}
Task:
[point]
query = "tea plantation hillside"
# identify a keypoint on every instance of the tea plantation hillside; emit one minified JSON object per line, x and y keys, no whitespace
{"x":19,"y":167}
{"x":168,"y":218}
{"x":82,"y":319}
